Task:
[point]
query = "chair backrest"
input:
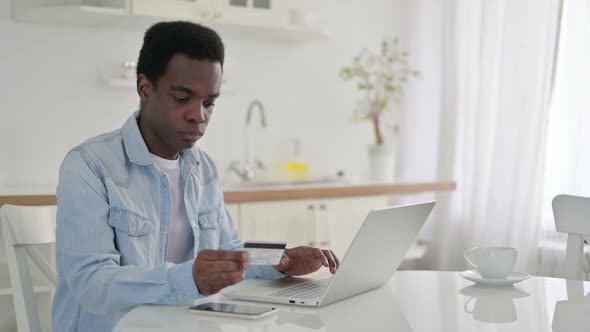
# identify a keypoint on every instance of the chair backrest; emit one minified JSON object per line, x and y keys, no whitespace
{"x":23,"y":227}
{"x":572,"y":216}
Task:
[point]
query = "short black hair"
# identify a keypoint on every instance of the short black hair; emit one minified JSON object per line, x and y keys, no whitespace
{"x":165,"y":39}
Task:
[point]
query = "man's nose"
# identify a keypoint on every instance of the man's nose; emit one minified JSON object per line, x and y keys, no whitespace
{"x":197,"y":114}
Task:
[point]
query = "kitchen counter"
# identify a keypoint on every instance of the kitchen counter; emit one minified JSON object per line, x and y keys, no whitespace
{"x":280,"y":193}
{"x":46,"y":196}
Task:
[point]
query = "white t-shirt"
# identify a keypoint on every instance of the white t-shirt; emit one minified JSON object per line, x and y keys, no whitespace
{"x":181,"y":240}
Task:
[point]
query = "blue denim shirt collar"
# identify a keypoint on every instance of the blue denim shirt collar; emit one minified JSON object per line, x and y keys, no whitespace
{"x":137,"y":151}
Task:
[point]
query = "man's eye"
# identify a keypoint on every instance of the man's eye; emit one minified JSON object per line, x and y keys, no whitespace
{"x":209,"y":104}
{"x":180,"y":100}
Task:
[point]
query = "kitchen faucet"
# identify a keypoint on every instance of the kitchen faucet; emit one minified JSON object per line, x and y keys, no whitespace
{"x":247,"y":169}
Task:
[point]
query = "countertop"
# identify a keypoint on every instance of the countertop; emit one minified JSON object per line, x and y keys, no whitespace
{"x":45,"y":195}
{"x":279,"y":193}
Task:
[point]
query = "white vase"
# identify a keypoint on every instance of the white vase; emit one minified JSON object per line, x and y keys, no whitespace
{"x":381,"y":163}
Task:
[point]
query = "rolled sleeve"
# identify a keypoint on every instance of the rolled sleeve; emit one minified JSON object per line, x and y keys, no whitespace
{"x":182,"y":286}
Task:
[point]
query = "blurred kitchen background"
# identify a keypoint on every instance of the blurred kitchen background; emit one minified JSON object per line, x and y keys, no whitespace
{"x":494,"y":127}
{"x":55,"y":93}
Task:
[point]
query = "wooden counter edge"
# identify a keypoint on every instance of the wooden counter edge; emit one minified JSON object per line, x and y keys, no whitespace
{"x":265,"y":194}
{"x":28,"y":200}
{"x":281,"y":194}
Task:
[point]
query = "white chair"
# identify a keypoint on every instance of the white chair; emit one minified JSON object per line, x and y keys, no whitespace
{"x":23,"y":227}
{"x":572,"y":216}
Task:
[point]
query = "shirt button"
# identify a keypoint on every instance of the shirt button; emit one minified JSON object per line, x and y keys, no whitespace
{"x":163,"y":228}
{"x":164,"y":184}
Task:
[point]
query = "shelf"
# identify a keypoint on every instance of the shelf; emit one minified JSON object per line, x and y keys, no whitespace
{"x":83,"y":15}
{"x":285,"y":34}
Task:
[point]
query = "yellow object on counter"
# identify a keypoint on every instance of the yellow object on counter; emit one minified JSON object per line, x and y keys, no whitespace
{"x":297,"y":170}
{"x":297,"y":167}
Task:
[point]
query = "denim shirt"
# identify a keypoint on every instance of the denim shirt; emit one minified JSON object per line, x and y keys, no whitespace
{"x":113,"y":219}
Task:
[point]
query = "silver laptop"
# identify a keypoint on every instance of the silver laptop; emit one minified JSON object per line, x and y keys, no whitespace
{"x":376,"y":252}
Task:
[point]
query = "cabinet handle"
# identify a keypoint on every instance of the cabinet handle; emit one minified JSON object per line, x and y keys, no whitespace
{"x":313,"y":226}
{"x":320,"y":225}
{"x":325,"y":216}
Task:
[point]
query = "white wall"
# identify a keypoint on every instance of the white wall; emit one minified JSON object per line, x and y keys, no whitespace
{"x":52,"y":95}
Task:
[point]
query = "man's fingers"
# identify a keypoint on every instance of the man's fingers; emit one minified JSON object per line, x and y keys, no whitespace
{"x":218,"y":255}
{"x":214,"y":270}
{"x":335,"y":258}
{"x":331,"y":261}
{"x":319,"y":254}
{"x":310,"y":253}
{"x":228,"y":278}
{"x":223,"y":266}
{"x":214,"y":282}
{"x":284,"y":262}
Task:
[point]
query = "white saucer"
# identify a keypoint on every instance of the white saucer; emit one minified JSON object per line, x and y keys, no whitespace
{"x":514,"y":277}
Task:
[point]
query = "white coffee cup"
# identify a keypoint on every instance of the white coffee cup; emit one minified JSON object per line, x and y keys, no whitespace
{"x":492,"y":262}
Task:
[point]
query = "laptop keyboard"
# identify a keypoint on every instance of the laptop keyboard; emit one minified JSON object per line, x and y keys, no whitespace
{"x":308,"y":290}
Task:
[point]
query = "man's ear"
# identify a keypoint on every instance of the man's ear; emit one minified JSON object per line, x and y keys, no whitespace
{"x":144,"y":87}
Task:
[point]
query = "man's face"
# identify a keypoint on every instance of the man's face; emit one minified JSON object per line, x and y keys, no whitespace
{"x":175,"y":114}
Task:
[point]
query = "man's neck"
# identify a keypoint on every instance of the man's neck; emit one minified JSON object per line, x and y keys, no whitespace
{"x":144,"y":132}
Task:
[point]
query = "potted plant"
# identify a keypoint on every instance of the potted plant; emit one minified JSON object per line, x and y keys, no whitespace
{"x":380,"y":77}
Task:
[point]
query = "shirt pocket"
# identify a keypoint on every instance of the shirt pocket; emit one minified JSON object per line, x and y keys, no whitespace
{"x":133,"y":237}
{"x":209,"y":230}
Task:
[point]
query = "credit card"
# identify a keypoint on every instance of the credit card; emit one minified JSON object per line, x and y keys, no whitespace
{"x":264,"y":252}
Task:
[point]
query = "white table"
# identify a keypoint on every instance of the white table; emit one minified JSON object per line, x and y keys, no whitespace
{"x":412,"y":301}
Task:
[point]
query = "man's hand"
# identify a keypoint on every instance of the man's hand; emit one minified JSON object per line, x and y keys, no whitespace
{"x":214,"y":270}
{"x":303,"y":260}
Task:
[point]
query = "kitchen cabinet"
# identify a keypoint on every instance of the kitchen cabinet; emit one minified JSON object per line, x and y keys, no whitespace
{"x":263,"y":13}
{"x":278,"y":221}
{"x":257,"y":19}
{"x":234,"y":211}
{"x":197,"y":10}
{"x":326,"y":223}
{"x":269,"y":13}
